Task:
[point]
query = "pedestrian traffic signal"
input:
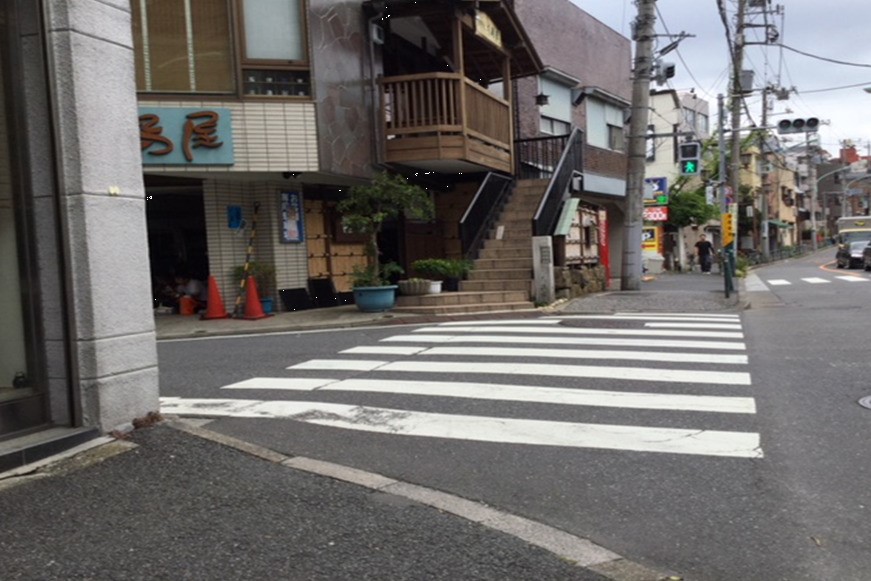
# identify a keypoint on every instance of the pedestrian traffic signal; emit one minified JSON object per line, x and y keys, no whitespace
{"x":689,"y":155}
{"x":808,"y":125}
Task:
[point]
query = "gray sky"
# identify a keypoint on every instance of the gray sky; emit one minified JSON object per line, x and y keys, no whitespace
{"x":833,"y":29}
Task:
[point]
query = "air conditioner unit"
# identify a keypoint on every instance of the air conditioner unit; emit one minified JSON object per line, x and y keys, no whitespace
{"x":377,"y":34}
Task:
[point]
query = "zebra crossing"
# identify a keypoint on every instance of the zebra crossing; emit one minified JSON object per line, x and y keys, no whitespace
{"x":688,"y":366}
{"x":849,"y":278}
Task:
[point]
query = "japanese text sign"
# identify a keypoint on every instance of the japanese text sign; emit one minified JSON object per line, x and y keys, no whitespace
{"x":181,"y":136}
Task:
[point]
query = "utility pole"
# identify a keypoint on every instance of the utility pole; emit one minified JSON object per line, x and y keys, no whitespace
{"x":766,"y":176}
{"x":812,"y":178}
{"x":736,"y":97}
{"x":631,"y":264}
{"x":728,"y":264}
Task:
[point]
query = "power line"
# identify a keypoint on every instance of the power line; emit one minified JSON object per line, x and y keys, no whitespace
{"x":826,"y":59}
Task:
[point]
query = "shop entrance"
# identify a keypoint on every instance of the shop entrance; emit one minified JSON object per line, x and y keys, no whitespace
{"x":23,"y":401}
{"x":177,"y":244}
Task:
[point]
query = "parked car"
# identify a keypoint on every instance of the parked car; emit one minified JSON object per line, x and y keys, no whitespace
{"x":851,"y":254}
{"x":866,"y":257}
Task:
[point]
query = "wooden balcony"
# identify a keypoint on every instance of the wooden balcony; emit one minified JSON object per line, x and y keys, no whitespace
{"x":445,"y":122}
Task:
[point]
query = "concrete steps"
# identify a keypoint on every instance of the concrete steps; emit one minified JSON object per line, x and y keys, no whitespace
{"x":501,"y":279}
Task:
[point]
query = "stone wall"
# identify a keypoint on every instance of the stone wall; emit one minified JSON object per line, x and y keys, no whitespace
{"x":577,"y":282}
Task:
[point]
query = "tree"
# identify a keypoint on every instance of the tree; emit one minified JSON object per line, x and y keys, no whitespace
{"x":366,"y":209}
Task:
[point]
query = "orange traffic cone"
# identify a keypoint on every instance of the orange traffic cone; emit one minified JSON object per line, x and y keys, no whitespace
{"x":253,"y":309}
{"x":215,"y":307}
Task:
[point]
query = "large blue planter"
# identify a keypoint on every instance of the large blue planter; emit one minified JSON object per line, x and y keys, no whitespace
{"x":374,"y":299}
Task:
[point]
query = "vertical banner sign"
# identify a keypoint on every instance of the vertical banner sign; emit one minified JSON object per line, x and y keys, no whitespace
{"x":292,"y":221}
{"x":604,"y":249}
{"x":728,"y":232}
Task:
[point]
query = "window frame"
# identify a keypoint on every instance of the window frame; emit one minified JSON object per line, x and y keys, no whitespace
{"x":241,"y":63}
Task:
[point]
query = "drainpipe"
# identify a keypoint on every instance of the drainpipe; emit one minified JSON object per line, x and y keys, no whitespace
{"x":377,"y":142}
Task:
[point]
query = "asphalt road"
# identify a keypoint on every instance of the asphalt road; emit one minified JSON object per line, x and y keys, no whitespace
{"x":794,"y":507}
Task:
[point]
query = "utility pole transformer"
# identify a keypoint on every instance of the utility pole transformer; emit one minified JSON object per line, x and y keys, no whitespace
{"x":631,"y":265}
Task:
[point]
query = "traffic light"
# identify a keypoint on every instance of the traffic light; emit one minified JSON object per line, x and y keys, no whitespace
{"x":808,"y":125}
{"x":689,"y":155}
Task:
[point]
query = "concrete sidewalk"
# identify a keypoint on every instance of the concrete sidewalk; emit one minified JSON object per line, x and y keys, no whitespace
{"x":664,"y":292}
{"x":176,"y":501}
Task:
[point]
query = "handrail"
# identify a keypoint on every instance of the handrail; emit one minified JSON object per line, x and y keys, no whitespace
{"x":570,"y":163}
{"x":537,"y":157}
{"x":482,"y":211}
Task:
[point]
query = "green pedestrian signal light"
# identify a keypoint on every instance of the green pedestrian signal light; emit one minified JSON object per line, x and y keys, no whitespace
{"x":689,"y":155}
{"x":689,"y":167}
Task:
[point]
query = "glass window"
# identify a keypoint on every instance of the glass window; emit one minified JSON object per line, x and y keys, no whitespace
{"x":555,"y":126}
{"x":616,"y":139}
{"x":273,"y":30}
{"x":183,"y":46}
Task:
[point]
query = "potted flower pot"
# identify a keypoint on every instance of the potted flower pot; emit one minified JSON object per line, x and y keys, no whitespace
{"x":374,"y":299}
{"x":435,"y":287}
{"x":414,"y":286}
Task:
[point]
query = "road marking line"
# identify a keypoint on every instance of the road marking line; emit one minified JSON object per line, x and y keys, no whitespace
{"x":708,"y":315}
{"x":563,"y":341}
{"x":511,"y":392}
{"x":699,"y":319}
{"x":384,"y":350}
{"x":480,"y":428}
{"x":778,"y":282}
{"x":506,"y":368}
{"x":720,"y":326}
{"x":664,"y":357}
{"x":295,"y":383}
{"x":583,"y":331}
{"x":540,"y":321}
{"x":852,"y":278}
{"x":339,"y":364}
{"x":816,"y":280}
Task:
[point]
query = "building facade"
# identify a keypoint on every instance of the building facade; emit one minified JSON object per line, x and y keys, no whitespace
{"x":77,"y":347}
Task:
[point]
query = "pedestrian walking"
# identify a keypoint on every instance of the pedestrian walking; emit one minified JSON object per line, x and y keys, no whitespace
{"x":705,"y":250}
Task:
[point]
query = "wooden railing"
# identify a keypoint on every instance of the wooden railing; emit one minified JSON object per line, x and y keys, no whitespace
{"x":432,"y":103}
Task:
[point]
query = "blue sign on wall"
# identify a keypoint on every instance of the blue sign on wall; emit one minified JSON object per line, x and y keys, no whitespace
{"x":185,"y":136}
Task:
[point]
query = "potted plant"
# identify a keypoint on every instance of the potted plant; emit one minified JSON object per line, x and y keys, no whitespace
{"x":448,"y":270}
{"x":264,"y":277}
{"x":364,"y":211}
{"x":414,"y":286}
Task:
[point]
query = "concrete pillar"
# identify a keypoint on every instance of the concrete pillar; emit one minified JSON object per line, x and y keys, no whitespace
{"x":542,"y":269}
{"x":102,"y":206}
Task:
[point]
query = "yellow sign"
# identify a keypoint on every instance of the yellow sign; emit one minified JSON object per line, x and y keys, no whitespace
{"x":728,"y":228}
{"x":650,"y":238}
{"x":486,"y":28}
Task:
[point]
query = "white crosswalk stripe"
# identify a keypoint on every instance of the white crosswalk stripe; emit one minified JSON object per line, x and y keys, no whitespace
{"x":818,"y":280}
{"x":621,"y":362}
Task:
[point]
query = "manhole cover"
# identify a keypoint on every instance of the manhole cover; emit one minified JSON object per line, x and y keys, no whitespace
{"x":865,"y":402}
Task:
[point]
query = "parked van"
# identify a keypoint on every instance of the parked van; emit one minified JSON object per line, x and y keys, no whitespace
{"x":854,"y":234}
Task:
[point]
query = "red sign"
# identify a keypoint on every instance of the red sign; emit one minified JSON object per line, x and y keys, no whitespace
{"x":604,"y":251}
{"x":656,"y":214}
